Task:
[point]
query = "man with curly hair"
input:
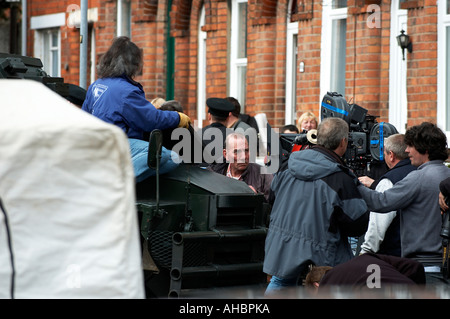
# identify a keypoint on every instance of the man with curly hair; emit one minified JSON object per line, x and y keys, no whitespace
{"x":417,"y":196}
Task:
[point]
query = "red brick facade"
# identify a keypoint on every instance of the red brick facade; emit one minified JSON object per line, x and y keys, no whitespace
{"x":367,"y":53}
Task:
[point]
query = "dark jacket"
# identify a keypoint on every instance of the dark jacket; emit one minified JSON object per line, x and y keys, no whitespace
{"x":214,"y":134}
{"x":393,"y":270}
{"x":219,"y":131}
{"x":317,"y":206}
{"x":391,"y":244}
{"x":252,"y":176}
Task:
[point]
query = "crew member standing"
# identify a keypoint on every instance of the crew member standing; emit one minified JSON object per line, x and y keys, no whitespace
{"x":215,"y":133}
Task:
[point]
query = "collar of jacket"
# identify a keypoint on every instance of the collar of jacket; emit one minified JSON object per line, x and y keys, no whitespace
{"x":222,"y":168}
{"x":329,"y":153}
{"x":403,"y":162}
{"x":126,"y":77}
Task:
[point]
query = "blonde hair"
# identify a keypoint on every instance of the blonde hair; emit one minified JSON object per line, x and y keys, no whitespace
{"x":306,"y":115}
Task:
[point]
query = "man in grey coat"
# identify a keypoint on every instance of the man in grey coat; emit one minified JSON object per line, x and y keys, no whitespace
{"x":417,"y":196}
{"x":317,"y":206}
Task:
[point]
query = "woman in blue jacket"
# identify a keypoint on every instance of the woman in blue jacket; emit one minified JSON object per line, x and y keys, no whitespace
{"x":117,"y":99}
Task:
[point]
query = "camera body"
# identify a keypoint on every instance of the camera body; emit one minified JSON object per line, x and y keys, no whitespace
{"x":365,"y":148}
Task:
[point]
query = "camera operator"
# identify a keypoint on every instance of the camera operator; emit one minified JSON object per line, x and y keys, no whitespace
{"x":417,"y":196}
{"x":317,"y":206}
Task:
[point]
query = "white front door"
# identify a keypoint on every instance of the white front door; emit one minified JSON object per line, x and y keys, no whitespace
{"x":398,"y":101}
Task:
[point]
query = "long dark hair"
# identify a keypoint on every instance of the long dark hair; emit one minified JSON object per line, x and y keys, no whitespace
{"x":427,"y":137}
{"x":122,"y":58}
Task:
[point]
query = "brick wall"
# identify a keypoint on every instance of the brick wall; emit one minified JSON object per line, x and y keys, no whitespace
{"x":190,"y":101}
{"x":309,"y":42}
{"x":364,"y":63}
{"x":422,"y":63}
{"x":367,"y":65}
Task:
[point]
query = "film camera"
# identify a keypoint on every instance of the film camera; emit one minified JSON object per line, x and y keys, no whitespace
{"x":366,"y":137}
{"x":13,"y":66}
{"x":291,"y":142}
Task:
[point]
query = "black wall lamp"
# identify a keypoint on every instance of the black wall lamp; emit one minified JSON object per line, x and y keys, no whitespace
{"x":404,"y":42}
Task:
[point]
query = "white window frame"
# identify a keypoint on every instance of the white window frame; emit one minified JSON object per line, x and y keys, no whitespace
{"x":328,"y":16}
{"x":42,"y":25}
{"x":398,"y":97}
{"x":43,"y":51}
{"x":291,"y":71}
{"x":93,"y":73}
{"x":443,"y":106}
{"x":236,"y":87}
{"x":201,"y":70}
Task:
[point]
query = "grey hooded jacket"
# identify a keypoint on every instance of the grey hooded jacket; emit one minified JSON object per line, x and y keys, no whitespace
{"x":317,"y":206}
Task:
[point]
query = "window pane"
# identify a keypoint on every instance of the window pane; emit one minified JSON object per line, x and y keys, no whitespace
{"x":294,"y":78}
{"x":447,"y":79}
{"x":242,"y":31}
{"x":125,"y":22}
{"x":242,"y":74}
{"x":338,"y":55}
{"x":448,"y":6}
{"x":55,"y":62}
{"x":46,"y":56}
{"x":54,"y":39}
{"x":339,"y":4}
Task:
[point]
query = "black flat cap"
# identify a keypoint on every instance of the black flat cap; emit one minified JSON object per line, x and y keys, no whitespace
{"x":219,"y":107}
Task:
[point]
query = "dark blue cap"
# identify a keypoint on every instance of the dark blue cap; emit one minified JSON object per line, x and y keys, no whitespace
{"x":219,"y":107}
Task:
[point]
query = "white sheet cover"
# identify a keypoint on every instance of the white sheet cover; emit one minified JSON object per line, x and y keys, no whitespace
{"x":67,"y":185}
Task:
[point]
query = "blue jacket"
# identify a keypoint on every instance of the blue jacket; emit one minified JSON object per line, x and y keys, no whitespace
{"x":317,"y":206}
{"x":121,"y":101}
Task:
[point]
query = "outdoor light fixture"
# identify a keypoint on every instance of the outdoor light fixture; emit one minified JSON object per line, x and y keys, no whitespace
{"x":404,"y":42}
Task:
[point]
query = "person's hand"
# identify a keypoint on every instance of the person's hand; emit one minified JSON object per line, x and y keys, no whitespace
{"x":184,"y":120}
{"x":366,"y":180}
{"x":442,"y":202}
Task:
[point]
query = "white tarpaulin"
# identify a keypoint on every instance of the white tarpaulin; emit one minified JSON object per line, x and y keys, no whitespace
{"x":67,"y":186}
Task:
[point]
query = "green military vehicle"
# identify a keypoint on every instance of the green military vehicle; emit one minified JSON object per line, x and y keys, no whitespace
{"x":201,"y":229}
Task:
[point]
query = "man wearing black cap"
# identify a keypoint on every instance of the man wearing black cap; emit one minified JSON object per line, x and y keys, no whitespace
{"x":218,"y":113}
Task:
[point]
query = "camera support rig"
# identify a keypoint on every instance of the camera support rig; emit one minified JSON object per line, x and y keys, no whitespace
{"x":445,"y":234}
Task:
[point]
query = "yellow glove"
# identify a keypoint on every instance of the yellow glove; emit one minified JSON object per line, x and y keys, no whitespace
{"x":184,"y":120}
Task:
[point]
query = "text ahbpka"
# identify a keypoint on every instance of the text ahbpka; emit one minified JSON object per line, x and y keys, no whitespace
{"x":239,"y":308}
